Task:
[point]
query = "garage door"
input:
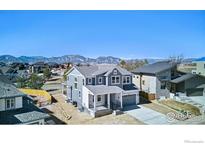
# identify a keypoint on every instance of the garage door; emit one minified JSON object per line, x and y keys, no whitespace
{"x":195,"y":92}
{"x":129,"y":100}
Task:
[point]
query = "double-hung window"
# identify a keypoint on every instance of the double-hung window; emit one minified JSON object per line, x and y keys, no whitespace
{"x":89,"y":80}
{"x":10,"y":103}
{"x":115,"y":80}
{"x":79,"y":94}
{"x":126,"y":79}
{"x":100,"y":80}
{"x":76,"y":83}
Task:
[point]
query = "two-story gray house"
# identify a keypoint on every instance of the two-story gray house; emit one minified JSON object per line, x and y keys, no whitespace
{"x":103,"y":87}
{"x":154,"y":79}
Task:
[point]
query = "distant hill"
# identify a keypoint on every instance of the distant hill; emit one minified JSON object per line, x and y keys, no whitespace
{"x":71,"y":58}
{"x":63,"y":59}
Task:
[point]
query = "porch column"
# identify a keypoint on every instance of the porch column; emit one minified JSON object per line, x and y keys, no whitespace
{"x":94,"y":103}
{"x":108,"y":101}
{"x":121,"y":105}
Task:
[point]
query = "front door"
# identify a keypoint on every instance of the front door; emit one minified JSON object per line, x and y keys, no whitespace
{"x":114,"y":101}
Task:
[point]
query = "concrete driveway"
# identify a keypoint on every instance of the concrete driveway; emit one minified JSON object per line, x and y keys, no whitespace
{"x":147,"y":115}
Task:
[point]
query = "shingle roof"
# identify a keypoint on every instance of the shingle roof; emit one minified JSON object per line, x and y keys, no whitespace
{"x":93,"y":70}
{"x":3,"y":78}
{"x":31,"y":116}
{"x":28,"y":113}
{"x":183,"y":78}
{"x":130,"y":87}
{"x":8,"y":90}
{"x":103,"y":89}
{"x":155,"y":68}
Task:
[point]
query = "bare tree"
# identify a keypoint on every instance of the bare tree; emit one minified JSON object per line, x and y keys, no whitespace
{"x":176,"y":59}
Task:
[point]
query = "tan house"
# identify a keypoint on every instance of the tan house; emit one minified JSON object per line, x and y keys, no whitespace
{"x":200,"y":66}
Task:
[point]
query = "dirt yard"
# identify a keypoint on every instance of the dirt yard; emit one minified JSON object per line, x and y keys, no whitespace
{"x":181,"y":107}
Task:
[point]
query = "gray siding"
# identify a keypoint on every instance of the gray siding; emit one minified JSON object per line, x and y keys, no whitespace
{"x":75,"y":92}
{"x":118,"y":74}
{"x":103,"y":80}
{"x":194,"y":82}
{"x":162,"y":76}
{"x":92,"y":83}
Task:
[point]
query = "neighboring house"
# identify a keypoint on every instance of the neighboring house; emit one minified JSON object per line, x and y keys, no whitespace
{"x":38,"y":67}
{"x":99,"y":88}
{"x":17,"y":108}
{"x":154,"y":79}
{"x":190,"y":84}
{"x":200,"y":66}
{"x":13,"y":73}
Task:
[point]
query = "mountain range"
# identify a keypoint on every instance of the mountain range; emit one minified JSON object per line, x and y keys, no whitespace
{"x":69,"y":58}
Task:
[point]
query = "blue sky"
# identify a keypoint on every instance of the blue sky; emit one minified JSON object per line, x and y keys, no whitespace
{"x":124,"y":34}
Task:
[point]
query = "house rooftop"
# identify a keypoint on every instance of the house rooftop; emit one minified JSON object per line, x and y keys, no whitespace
{"x":103,"y":89}
{"x":183,"y":78}
{"x":9,"y":90}
{"x":155,"y":67}
{"x":93,"y":70}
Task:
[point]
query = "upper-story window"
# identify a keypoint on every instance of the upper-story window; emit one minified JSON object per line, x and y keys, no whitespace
{"x":76,"y":83}
{"x":100,"y":80}
{"x":126,"y":80}
{"x":115,"y":80}
{"x":89,"y":80}
{"x":115,"y":72}
{"x":10,"y":103}
{"x":83,"y":82}
{"x":68,"y":78}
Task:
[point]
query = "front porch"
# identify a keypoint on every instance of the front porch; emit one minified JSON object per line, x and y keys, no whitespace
{"x":104,"y":104}
{"x":103,"y":101}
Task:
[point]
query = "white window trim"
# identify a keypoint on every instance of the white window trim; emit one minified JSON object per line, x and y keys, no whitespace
{"x":79,"y":94}
{"x":126,"y":80}
{"x":115,"y":79}
{"x":75,"y":82}
{"x":75,"y":88}
{"x":100,"y":82}
{"x":89,"y":79}
{"x":115,"y":72}
{"x":100,"y":98}
{"x":14,"y":101}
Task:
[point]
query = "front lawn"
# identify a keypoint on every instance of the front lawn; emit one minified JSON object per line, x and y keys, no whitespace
{"x":181,"y":107}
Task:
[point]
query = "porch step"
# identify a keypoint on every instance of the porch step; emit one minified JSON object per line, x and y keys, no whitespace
{"x":103,"y":112}
{"x":117,"y":112}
